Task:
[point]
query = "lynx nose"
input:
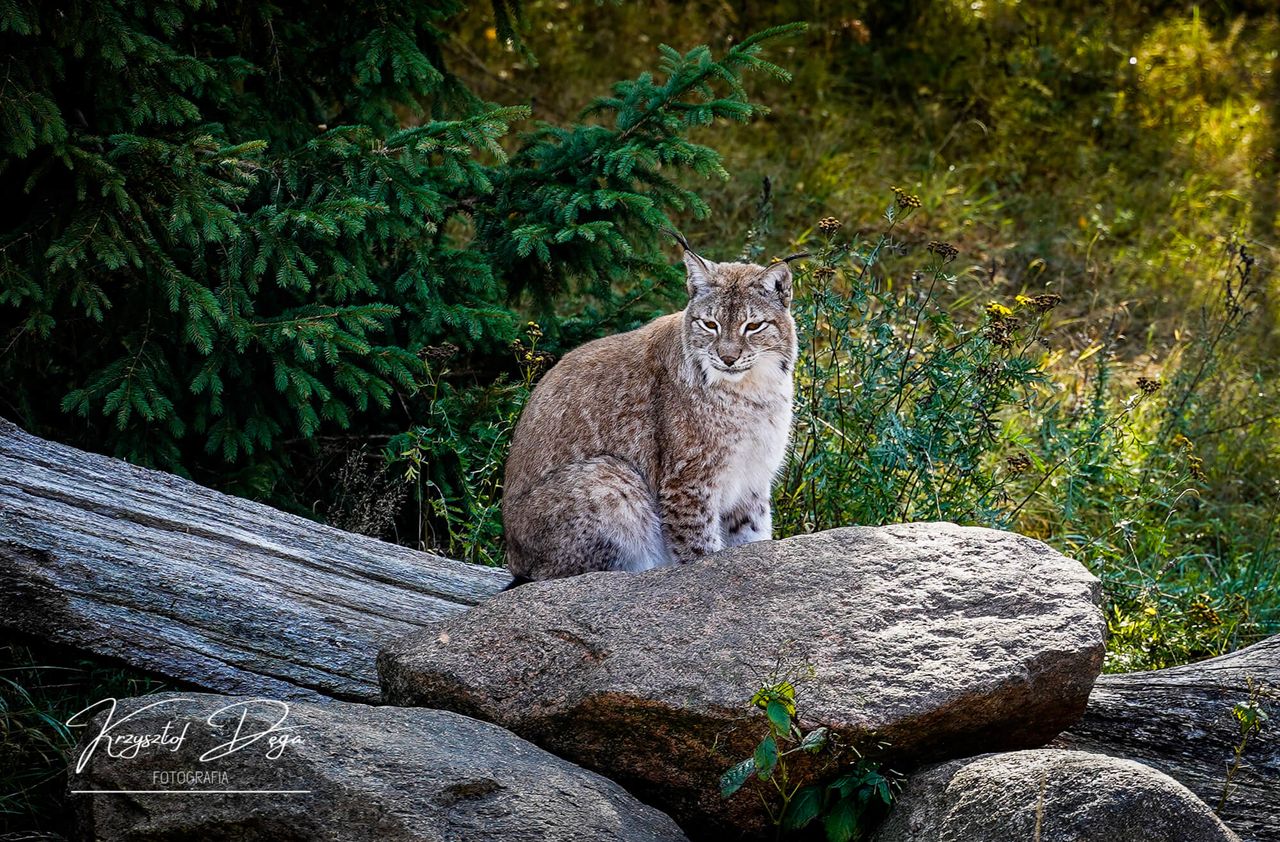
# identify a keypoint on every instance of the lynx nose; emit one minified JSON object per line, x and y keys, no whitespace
{"x":729,"y":359}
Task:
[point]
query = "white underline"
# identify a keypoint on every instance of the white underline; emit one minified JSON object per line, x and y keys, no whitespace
{"x":190,"y":792}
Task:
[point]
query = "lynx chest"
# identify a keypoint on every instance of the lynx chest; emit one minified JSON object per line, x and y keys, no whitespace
{"x":755,"y":453}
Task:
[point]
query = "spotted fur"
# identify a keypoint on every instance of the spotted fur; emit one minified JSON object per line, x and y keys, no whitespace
{"x":658,"y":446}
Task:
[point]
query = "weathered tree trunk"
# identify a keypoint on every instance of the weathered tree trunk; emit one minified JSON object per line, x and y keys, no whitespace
{"x":1180,"y":721}
{"x":212,"y":590}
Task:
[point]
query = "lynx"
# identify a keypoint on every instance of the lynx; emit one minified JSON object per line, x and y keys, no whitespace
{"x":660,"y":445}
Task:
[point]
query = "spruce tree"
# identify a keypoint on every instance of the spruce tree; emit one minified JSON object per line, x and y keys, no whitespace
{"x":229,"y":229}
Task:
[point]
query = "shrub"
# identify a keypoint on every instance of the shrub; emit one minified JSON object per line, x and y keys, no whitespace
{"x":41,"y":686}
{"x":243,"y":232}
{"x":803,"y":777}
{"x":911,"y":407}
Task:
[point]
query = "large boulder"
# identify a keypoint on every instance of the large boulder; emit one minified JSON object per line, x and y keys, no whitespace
{"x":341,"y":772}
{"x":1049,"y":795}
{"x":938,"y":640}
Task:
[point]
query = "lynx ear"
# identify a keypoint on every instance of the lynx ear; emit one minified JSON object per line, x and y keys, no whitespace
{"x":776,"y":280}
{"x":698,"y":274}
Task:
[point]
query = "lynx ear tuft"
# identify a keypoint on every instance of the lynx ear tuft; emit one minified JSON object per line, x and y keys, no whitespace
{"x":678,"y":237}
{"x":698,"y":274}
{"x":698,"y":270}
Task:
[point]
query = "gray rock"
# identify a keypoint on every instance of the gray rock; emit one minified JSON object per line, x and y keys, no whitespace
{"x":941,"y":641}
{"x":1049,"y":795}
{"x":369,"y":773}
{"x":1181,"y":721}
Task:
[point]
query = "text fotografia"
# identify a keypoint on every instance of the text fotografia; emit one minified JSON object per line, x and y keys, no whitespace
{"x":186,"y":778}
{"x":259,"y":727}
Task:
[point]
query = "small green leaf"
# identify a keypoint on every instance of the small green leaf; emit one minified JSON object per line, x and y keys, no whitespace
{"x":843,"y":786}
{"x":804,"y":808}
{"x":784,"y":692}
{"x":842,"y":822}
{"x":732,"y":780}
{"x":815,"y":741}
{"x":779,"y":717}
{"x":766,"y":757}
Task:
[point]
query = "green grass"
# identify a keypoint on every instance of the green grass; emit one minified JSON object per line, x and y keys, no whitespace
{"x":1105,"y":153}
{"x":911,"y":407}
{"x":41,"y":686}
{"x":1031,"y":138}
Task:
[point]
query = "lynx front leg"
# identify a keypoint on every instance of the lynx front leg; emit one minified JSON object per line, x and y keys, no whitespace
{"x":748,"y":520}
{"x":689,"y":521}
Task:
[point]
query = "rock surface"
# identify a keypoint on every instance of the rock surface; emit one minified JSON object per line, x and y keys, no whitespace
{"x":941,"y":641}
{"x":1049,"y":795}
{"x":1180,"y":720}
{"x":369,"y":773}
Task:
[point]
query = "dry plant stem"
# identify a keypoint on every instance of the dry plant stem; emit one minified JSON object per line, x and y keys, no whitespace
{"x":835,"y":361}
{"x":1093,"y":439}
{"x":1256,"y":693}
{"x":911,"y":341}
{"x":1234,"y":314}
{"x":904,"y":498}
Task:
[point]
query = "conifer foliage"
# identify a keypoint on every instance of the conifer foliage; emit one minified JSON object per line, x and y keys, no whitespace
{"x":232,"y":227}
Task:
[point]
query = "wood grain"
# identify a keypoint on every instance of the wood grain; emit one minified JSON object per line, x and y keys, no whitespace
{"x":219,"y":592}
{"x":1180,"y":721}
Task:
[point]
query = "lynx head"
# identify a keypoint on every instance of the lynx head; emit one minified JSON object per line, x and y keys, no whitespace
{"x":738,"y":323}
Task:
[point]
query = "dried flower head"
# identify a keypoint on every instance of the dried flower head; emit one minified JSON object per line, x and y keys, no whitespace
{"x":824,"y":273}
{"x":906,"y":200}
{"x":946,"y":251}
{"x":999,"y":332}
{"x":1018,"y":463}
{"x":1000,"y":326}
{"x":1196,"y":467}
{"x":1202,"y":611}
{"x":861,"y":33}
{"x":439,"y":353}
{"x":829,"y":225}
{"x":1148,"y":386}
{"x":533,"y":329}
{"x":1045,"y":301}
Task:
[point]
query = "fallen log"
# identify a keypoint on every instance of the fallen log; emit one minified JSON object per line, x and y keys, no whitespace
{"x":214,"y":591}
{"x":1180,"y":721}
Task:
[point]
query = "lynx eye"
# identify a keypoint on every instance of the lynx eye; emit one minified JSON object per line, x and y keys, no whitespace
{"x":752,"y":327}
{"x":707,"y":324}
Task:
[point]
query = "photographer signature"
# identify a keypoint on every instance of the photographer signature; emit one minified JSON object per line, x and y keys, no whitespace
{"x":118,"y":742}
